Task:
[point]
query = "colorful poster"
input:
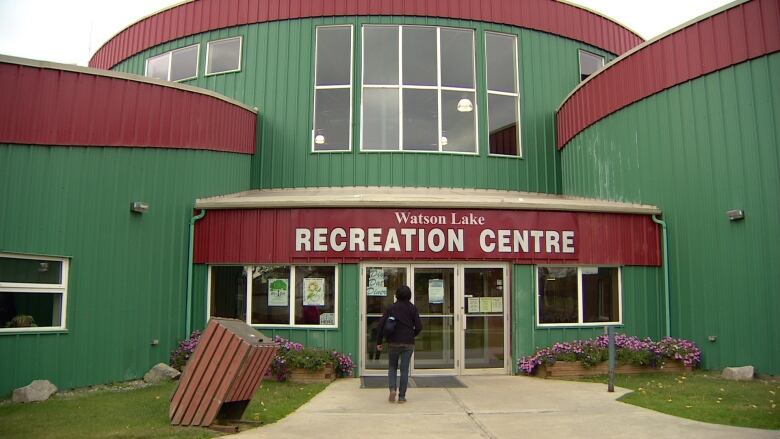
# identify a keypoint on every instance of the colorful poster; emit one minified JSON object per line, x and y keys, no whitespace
{"x":473,"y":304}
{"x":485,"y":304}
{"x":435,"y":290}
{"x":278,"y":292}
{"x":313,"y":291}
{"x":327,"y":318}
{"x":497,"y":304}
{"x":376,"y":282}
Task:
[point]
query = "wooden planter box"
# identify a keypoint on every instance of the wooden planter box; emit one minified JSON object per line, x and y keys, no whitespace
{"x":574,"y":369}
{"x":305,"y":376}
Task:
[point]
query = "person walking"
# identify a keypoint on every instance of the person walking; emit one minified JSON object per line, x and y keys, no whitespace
{"x":400,"y":341}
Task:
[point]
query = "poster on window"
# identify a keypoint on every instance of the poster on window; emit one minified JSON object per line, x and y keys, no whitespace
{"x":497,"y":304}
{"x":313,"y":291}
{"x":473,"y":304}
{"x":328,"y":318}
{"x":485,"y":304}
{"x":376,"y":282}
{"x":435,"y":290}
{"x":278,"y":292}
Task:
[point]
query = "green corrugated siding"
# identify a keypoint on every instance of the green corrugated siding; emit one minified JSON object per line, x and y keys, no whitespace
{"x":277,"y":77}
{"x":127,"y":271}
{"x":698,"y":150}
{"x":344,"y":339}
{"x":642,"y":308}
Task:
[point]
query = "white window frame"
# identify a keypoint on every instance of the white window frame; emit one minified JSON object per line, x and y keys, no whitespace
{"x":579,"y":62}
{"x":35,"y":288}
{"x":292,"y":295}
{"x":580,"y":320}
{"x":516,"y":95}
{"x":332,"y":87}
{"x":240,"y":57}
{"x":401,"y":87}
{"x":169,"y":54}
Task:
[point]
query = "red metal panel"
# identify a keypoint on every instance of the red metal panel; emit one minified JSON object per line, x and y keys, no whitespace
{"x":269,"y":236}
{"x":46,"y":106}
{"x":545,"y":15}
{"x":742,"y":32}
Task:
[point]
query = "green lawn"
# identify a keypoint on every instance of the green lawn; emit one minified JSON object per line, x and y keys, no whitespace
{"x":703,"y":396}
{"x":140,"y":413}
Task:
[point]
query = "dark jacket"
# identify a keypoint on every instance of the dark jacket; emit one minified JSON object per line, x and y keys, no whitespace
{"x":408,"y":326}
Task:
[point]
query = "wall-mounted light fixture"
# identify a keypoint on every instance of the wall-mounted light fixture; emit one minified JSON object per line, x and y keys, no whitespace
{"x":139,"y":206}
{"x":736,"y":214}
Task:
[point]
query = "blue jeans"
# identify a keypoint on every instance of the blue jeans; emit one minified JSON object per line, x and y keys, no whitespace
{"x":405,"y":354}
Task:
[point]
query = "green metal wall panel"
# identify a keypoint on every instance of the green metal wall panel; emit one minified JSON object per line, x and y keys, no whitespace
{"x":277,"y":77}
{"x":127,"y":272}
{"x":642,"y":311}
{"x":696,"y":151}
{"x":344,"y":339}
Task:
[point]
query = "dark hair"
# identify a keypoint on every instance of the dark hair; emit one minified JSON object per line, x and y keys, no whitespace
{"x":403,"y":293}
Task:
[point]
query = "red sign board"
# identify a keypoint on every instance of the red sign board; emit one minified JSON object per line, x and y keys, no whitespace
{"x":352,"y":235}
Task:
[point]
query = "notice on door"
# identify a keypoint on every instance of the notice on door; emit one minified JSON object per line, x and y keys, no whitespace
{"x":376,"y":282}
{"x":436,"y":291}
{"x":473,"y":304}
{"x":497,"y":304}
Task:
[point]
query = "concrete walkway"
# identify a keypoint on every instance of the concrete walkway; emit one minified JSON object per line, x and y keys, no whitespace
{"x":490,"y":407}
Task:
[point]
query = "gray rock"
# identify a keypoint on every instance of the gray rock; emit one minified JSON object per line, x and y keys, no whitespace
{"x":161,"y":372}
{"x":38,"y":390}
{"x":738,"y":373}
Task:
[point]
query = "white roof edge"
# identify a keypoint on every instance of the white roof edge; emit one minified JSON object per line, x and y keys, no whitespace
{"x":395,"y":197}
{"x":7,"y":59}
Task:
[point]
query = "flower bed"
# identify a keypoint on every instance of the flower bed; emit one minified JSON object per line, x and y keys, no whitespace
{"x":588,"y":357}
{"x":296,"y":363}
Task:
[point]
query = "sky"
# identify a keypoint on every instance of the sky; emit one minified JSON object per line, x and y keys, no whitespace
{"x":70,"y":31}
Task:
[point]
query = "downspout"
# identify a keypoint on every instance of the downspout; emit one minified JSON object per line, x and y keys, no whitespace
{"x":665,"y":250}
{"x":188,"y":317}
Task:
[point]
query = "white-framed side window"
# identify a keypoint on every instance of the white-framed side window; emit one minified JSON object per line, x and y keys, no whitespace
{"x":578,"y":295}
{"x":332,"y":89}
{"x":275,"y":295}
{"x":590,"y":63}
{"x":503,"y":95}
{"x":176,"y":65}
{"x":223,"y":56}
{"x":418,"y":89}
{"x":33,"y":292}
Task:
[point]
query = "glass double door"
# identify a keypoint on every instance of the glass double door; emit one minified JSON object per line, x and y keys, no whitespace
{"x":463,"y":313}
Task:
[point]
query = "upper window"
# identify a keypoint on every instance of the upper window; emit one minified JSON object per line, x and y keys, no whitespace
{"x":176,"y":65}
{"x":223,"y":56}
{"x":503,"y":96}
{"x":589,"y":64}
{"x":299,"y":295}
{"x":333,"y":89}
{"x":418,"y":90}
{"x":33,"y":292}
{"x":578,"y":295}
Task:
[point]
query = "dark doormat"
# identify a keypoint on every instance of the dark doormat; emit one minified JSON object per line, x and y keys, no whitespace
{"x":443,"y":382}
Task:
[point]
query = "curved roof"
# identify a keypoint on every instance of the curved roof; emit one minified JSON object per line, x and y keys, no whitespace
{"x":44,"y":103}
{"x":195,"y":17}
{"x":733,"y":34}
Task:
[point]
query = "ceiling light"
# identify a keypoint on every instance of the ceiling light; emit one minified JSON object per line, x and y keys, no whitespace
{"x":465,"y":105}
{"x":319,"y":139}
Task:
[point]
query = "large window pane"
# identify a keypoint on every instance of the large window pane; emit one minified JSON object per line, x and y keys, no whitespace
{"x":157,"y":67}
{"x":315,"y":295}
{"x":331,"y":123}
{"x":589,"y":63}
{"x":421,"y":120}
{"x":228,"y":292}
{"x":223,"y":56}
{"x":334,"y":63}
{"x":380,"y":119}
{"x":502,"y":124}
{"x":457,"y":58}
{"x":184,"y":63}
{"x":501,"y":63}
{"x":28,"y":309}
{"x":30,"y":271}
{"x":419,"y":51}
{"x":600,"y":294}
{"x":271,"y":292}
{"x":458,"y":122}
{"x":380,"y":55}
{"x":557,"y":295}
